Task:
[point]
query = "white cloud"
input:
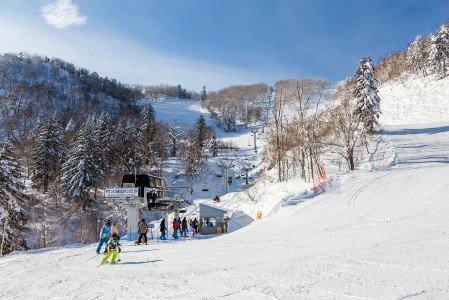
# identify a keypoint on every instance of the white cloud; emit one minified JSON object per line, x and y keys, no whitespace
{"x":119,"y":57}
{"x":62,"y":13}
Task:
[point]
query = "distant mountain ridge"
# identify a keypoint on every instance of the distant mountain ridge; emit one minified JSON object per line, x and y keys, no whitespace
{"x":33,"y":87}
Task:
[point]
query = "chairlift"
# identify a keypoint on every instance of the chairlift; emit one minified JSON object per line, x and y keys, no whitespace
{"x":205,"y":188}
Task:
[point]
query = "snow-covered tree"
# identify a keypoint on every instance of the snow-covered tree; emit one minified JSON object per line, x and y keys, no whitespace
{"x":71,"y":126}
{"x":47,"y":153}
{"x":214,"y":146}
{"x":229,"y":122}
{"x":191,"y":155}
{"x":439,"y":51}
{"x":105,"y":139}
{"x":173,"y":139}
{"x":129,"y":156}
{"x":348,"y":134}
{"x":82,"y":169}
{"x":203,"y":94}
{"x":366,"y":93}
{"x":12,"y":216}
{"x":201,"y":134}
{"x":134,"y":154}
{"x":417,"y":54}
{"x":148,"y":129}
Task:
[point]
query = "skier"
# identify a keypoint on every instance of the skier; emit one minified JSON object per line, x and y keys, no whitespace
{"x":175,"y":229}
{"x":104,"y":235}
{"x":113,"y":248}
{"x":184,"y":227}
{"x":163,"y":229}
{"x":216,"y":198}
{"x":179,"y":225}
{"x":143,"y":229}
{"x":114,"y":230}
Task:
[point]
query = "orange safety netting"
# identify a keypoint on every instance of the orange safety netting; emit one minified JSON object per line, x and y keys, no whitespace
{"x":319,"y":178}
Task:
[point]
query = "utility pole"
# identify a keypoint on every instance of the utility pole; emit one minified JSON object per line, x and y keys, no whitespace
{"x":254,"y":132}
{"x":226,"y":164}
{"x":246,"y":169}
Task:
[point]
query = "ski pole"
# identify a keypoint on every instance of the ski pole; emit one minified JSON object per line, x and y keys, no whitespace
{"x":92,"y":257}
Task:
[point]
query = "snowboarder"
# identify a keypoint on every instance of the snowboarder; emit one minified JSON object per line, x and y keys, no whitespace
{"x":113,"y":248}
{"x":216,"y":198}
{"x":114,"y":230}
{"x":184,"y":227}
{"x":175,"y":229}
{"x":104,"y":235}
{"x":143,"y":229}
{"x":163,"y":229}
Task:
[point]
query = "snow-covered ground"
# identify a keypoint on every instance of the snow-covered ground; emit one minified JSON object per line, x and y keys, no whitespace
{"x":414,"y":100}
{"x":377,"y":233}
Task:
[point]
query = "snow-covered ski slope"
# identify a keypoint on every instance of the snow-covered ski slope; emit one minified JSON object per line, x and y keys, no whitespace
{"x":377,"y":234}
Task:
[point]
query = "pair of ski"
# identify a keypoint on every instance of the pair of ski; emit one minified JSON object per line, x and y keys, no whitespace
{"x":96,"y":255}
{"x":108,"y":263}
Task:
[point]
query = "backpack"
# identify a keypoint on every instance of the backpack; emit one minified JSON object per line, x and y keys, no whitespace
{"x":113,"y":245}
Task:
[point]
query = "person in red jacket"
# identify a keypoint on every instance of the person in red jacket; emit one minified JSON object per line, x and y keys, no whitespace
{"x":175,"y":229}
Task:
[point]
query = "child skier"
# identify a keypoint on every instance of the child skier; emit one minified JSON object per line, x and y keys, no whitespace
{"x":113,"y":248}
{"x":104,"y":235}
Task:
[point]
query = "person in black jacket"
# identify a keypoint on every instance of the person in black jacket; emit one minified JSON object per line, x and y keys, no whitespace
{"x":184,"y":227}
{"x":163,"y":230}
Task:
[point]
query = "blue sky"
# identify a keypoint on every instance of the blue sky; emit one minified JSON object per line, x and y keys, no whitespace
{"x":216,"y":43}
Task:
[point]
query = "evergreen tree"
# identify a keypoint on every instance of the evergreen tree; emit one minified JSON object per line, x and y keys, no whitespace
{"x":368,"y":101}
{"x":71,"y":126}
{"x":214,"y":146}
{"x":120,"y":144}
{"x":105,"y":139}
{"x":439,"y":51}
{"x":12,"y":216}
{"x":417,"y":55}
{"x":203,"y":94}
{"x":201,"y":134}
{"x":148,"y":129}
{"x":82,"y":170}
{"x":47,"y":153}
{"x":229,"y":122}
{"x":134,"y":155}
{"x":181,"y":93}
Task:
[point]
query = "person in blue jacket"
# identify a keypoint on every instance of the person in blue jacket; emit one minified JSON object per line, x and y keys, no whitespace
{"x":104,"y":235}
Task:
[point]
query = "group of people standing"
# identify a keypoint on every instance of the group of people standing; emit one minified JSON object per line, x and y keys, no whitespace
{"x":109,"y":234}
{"x":179,"y":226}
{"x":180,"y":229}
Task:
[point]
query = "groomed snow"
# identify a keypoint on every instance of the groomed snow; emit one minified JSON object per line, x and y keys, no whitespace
{"x":377,"y":234}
